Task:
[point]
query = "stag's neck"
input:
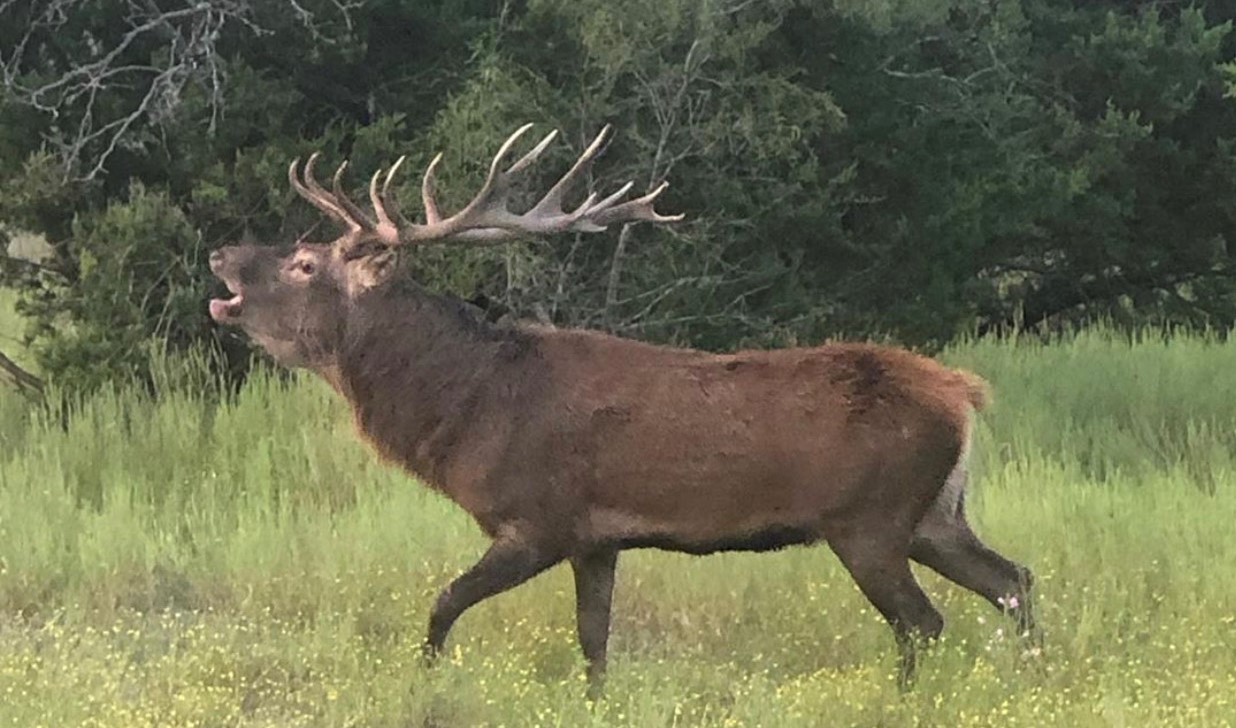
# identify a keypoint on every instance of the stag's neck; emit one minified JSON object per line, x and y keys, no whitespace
{"x":423,"y":374}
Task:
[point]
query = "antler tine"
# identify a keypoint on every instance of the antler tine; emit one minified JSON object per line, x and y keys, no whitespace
{"x":551,"y":203}
{"x":505,"y":149}
{"x":547,"y":214}
{"x":382,"y":205}
{"x":386,"y":190}
{"x":316,"y":195}
{"x":304,"y":192}
{"x":341,"y":197}
{"x":379,"y":209}
{"x":639,"y":209}
{"x":527,"y":160}
{"x":486,"y":209}
{"x":550,"y":206}
{"x":590,"y":208}
{"x":293,"y":181}
{"x":495,"y":182}
{"x":310,"y":183}
{"x":432,"y":216}
{"x":609,"y":202}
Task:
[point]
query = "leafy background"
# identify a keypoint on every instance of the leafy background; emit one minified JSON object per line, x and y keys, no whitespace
{"x":913,"y":169}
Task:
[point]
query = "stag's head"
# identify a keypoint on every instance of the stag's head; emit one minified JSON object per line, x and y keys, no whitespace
{"x":295,"y":300}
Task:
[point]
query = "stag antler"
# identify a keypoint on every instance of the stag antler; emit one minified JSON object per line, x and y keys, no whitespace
{"x":486,"y":219}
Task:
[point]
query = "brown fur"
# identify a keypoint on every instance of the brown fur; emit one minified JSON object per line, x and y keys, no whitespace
{"x":573,"y":445}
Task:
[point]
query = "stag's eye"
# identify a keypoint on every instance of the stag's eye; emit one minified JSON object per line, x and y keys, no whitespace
{"x":306,"y":267}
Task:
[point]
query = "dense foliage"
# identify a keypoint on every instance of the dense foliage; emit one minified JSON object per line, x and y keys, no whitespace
{"x":907,"y":167}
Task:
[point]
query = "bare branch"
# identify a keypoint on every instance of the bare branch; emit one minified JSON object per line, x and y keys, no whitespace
{"x":667,"y":113}
{"x":159,"y":55}
{"x":18,"y":378}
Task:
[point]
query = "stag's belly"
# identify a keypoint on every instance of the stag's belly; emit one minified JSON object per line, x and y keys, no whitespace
{"x":771,"y":538}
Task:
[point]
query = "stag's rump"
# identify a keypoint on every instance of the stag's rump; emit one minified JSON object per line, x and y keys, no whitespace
{"x":700,"y":452}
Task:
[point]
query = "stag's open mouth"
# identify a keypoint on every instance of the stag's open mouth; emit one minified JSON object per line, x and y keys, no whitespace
{"x":229,"y":309}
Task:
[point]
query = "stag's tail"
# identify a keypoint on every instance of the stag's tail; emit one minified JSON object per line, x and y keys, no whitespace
{"x":950,"y":502}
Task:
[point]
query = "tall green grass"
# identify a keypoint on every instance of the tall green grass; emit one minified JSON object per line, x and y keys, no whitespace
{"x":172,"y":562}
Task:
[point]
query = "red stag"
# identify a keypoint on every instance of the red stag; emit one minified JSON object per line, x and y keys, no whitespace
{"x":571,"y":445}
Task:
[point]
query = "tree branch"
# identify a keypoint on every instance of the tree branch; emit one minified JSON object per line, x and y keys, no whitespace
{"x":667,"y":118}
{"x":20,"y":379}
{"x":147,"y":69}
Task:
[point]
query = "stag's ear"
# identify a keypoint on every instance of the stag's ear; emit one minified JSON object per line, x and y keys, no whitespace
{"x":371,"y":271}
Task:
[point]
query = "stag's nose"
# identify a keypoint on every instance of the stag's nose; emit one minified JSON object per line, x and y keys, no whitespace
{"x":216,"y":260}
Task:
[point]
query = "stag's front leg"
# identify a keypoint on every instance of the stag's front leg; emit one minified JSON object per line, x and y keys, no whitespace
{"x":508,"y":563}
{"x":594,"y":590}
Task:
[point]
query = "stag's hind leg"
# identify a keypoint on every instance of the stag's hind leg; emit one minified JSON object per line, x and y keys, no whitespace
{"x":944,"y":542}
{"x":881,"y":568}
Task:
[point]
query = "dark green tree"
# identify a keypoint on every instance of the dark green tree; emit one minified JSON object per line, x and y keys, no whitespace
{"x":911,"y":168}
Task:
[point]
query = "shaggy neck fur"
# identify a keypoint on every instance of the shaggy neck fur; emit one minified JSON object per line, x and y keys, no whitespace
{"x":421,"y":372}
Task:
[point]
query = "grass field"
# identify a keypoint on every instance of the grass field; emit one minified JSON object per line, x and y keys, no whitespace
{"x":176,"y":564}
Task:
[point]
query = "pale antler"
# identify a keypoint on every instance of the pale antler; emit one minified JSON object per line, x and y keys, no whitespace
{"x":486,"y":219}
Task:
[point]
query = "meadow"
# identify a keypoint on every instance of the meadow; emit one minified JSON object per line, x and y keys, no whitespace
{"x":171,"y":561}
